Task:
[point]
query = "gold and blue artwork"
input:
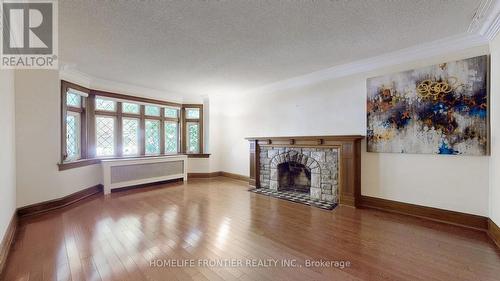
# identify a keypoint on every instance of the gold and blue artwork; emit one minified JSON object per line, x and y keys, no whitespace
{"x":440,"y":109}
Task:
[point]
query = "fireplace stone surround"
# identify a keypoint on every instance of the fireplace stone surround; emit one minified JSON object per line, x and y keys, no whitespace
{"x":322,"y":164}
{"x":334,"y":163}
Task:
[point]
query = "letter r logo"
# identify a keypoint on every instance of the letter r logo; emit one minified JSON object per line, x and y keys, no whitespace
{"x":27,"y":28}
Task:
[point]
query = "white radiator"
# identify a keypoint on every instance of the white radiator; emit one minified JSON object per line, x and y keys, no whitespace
{"x":134,"y":171}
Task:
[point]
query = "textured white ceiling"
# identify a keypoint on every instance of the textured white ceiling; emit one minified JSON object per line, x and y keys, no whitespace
{"x":205,"y":47}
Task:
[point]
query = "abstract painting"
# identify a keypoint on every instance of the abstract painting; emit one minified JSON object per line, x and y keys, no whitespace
{"x":440,"y":109}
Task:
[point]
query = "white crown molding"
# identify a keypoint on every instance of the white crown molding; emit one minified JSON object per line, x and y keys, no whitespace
{"x":421,"y":51}
{"x":491,"y":23}
{"x":68,"y":72}
{"x":478,"y":18}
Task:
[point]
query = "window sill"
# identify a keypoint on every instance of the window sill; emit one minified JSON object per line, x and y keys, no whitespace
{"x":78,"y":164}
{"x":88,"y":162}
{"x":198,"y":155}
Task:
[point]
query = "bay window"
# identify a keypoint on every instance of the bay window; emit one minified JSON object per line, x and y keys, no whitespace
{"x":98,"y":124}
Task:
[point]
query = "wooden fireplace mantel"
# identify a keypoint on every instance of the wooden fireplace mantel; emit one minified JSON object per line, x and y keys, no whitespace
{"x":349,"y":160}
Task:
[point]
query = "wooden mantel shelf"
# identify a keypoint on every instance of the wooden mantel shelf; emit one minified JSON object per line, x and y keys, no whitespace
{"x":349,"y":160}
{"x":329,"y":137}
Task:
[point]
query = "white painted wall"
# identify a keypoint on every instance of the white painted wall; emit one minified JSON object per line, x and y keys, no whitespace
{"x":7,"y":150}
{"x":337,"y":107}
{"x":494,"y":194}
{"x":38,"y":142}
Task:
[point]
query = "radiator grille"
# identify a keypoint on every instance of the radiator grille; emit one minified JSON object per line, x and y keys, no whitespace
{"x":145,"y":171}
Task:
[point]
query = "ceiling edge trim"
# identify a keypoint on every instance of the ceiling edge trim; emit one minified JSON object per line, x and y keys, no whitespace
{"x":69,"y":73}
{"x":421,"y":51}
{"x":491,"y":22}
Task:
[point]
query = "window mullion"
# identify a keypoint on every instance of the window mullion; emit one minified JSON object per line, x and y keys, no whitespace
{"x":142,"y":129}
{"x":91,"y":148}
{"x":83,"y":129}
{"x":162,"y":131}
{"x":64,"y":153}
{"x":200,"y":133}
{"x":119,"y":130}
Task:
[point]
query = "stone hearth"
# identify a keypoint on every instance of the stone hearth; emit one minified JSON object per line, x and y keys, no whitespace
{"x":320,"y":164}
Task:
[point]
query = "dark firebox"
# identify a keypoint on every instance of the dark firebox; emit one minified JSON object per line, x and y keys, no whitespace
{"x":293,"y":176}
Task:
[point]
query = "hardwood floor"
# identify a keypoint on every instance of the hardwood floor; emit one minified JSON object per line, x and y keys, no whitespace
{"x":117,"y":237}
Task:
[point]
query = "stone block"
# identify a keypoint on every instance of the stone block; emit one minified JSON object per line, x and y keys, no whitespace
{"x":271,"y":153}
{"x":329,"y":159}
{"x":273,"y":185}
{"x":326,"y":172}
{"x":325,"y":165}
{"x":274,"y":174}
{"x":327,"y":188}
{"x":318,"y":156}
{"x":326,"y":178}
{"x":315,"y":180}
{"x":315,"y":193}
{"x":304,"y":160}
{"x":323,"y":191}
{"x":316,"y":170}
{"x":299,"y":158}
{"x":328,"y":197}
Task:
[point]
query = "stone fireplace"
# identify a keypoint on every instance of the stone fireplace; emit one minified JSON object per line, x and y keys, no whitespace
{"x":308,"y":170}
{"x":327,"y":168}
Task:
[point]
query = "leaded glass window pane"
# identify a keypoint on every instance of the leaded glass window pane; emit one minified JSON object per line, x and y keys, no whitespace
{"x":152,"y":110}
{"x":105,"y":136}
{"x":73,"y":99}
{"x":105,"y":105}
{"x":130,"y":108}
{"x":171,"y":112}
{"x":130,"y":136}
{"x":72,"y":136}
{"x":193,"y":137}
{"x":192,"y":113}
{"x":152,"y":134}
{"x":171,"y":137}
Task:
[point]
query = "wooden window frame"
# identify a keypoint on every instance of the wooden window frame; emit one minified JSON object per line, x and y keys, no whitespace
{"x":185,"y":120}
{"x":82,"y":110}
{"x":88,"y":134}
{"x":177,"y":120}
